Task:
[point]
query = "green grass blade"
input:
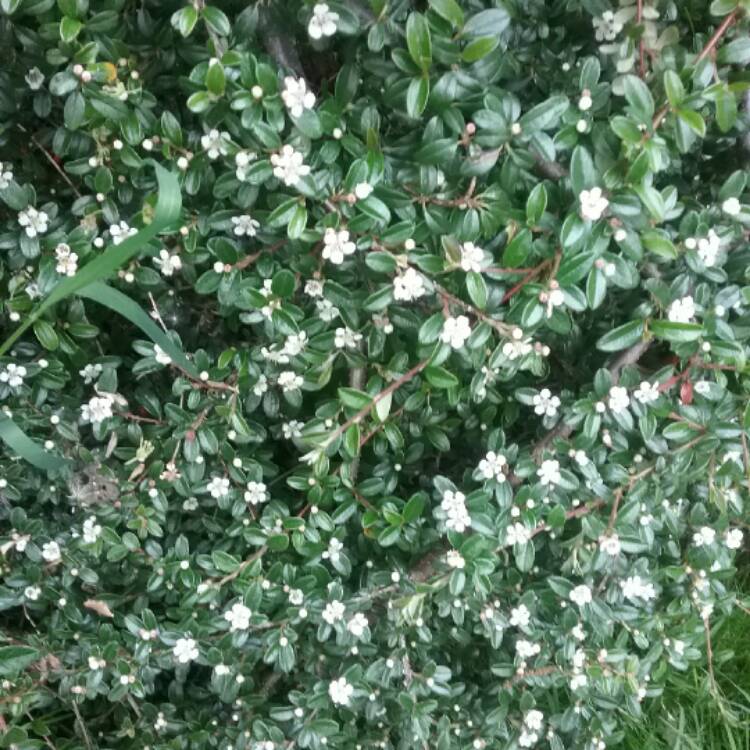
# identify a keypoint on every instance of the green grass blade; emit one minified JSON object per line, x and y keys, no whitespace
{"x":19,"y":442}
{"x":168,"y":205}
{"x":123,"y":305}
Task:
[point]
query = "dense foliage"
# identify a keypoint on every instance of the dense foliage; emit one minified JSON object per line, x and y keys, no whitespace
{"x":375,"y":373}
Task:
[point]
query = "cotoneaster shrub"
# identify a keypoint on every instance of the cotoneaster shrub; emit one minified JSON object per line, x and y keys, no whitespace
{"x":445,"y":444}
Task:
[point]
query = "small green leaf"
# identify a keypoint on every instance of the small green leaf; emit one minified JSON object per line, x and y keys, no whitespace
{"x":282,"y":284}
{"x":657,"y":241}
{"x":479,"y":48}
{"x":583,"y":174}
{"x":621,"y":337}
{"x":216,"y":79}
{"x":676,"y":332}
{"x":354,"y":399}
{"x":46,"y":335}
{"x":216,"y":20}
{"x":536,"y":204}
{"x":439,"y":377}
{"x":69,"y":28}
{"x":545,"y":115}
{"x":14,"y":659}
{"x":639,"y":98}
{"x":477,"y":289}
{"x":418,"y":40}
{"x":417,"y":95}
{"x":674,"y":88}
{"x":450,"y":10}
{"x":693,"y":120}
{"x":184,"y":20}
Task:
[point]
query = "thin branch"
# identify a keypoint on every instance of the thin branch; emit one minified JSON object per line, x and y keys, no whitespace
{"x":502,"y":328}
{"x":52,"y":161}
{"x":642,"y":44}
{"x":530,"y":276}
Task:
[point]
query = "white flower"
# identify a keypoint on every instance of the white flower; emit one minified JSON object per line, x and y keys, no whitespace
{"x":323,"y":22}
{"x":533,"y":720}
{"x":96,"y":663}
{"x":346,"y":338}
{"x":290,"y":381}
{"x":408,"y":286}
{"x":581,"y":595}
{"x":682,"y":310}
{"x":261,"y":386}
{"x":362,"y":190}
{"x":243,"y":160}
{"x":383,"y":322}
{"x":295,"y":344}
{"x":610,"y":545}
{"x":578,"y":681}
{"x":518,"y":346}
{"x":13,"y":375}
{"x":292,"y":429}
{"x":168,"y":263}
{"x":333,"y":553}
{"x":218,"y":487}
{"x":647,"y":392}
{"x":314,"y":288}
{"x":471,"y":257}
{"x":456,"y":331}
{"x":733,"y":538}
{"x":32,"y":593}
{"x":161,"y":356}
{"x":578,"y":632}
{"x":549,"y":472}
{"x":98,"y":409}
{"x":337,"y":245}
{"x":705,"y":536}
{"x":51,"y":552}
{"x":634,"y":587}
{"x":91,"y":530}
{"x":6,"y":175}
{"x":245,"y":225}
{"x":492,"y":466}
{"x":296,"y":597}
{"x":730,"y":206}
{"x":527,"y":649}
{"x":618,"y":399}
{"x":327,"y":310}
{"x":455,"y":559}
{"x":90,"y":373}
{"x":545,"y":403}
{"x":606,"y":27}
{"x":185,"y":650}
{"x":527,"y":738}
{"x":34,"y":78}
{"x":585,"y":102}
{"x":238,"y":617}
{"x":67,"y":261}
{"x":296,"y":96}
{"x":703,"y":387}
{"x":708,"y":248}
{"x":357,"y":625}
{"x":215,"y":143}
{"x":288,"y":166}
{"x":340,"y":691}
{"x":516,"y":533}
{"x":453,"y":505}
{"x":520,"y":616}
{"x":256,"y":493}
{"x":33,"y":221}
{"x":333,"y":612}
{"x":593,"y":204}
{"x":120,"y":232}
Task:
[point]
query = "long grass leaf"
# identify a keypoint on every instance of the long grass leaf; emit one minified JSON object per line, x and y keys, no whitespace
{"x":168,"y":205}
{"x":127,"y":308}
{"x":21,"y":444}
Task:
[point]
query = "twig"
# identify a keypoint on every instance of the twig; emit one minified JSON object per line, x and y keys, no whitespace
{"x":709,"y":653}
{"x":84,"y":731}
{"x":52,"y":161}
{"x":502,"y":328}
{"x":710,"y":44}
{"x":642,"y":44}
{"x":540,"y":672}
{"x":242,"y":566}
{"x":532,"y":274}
{"x":248,"y":260}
